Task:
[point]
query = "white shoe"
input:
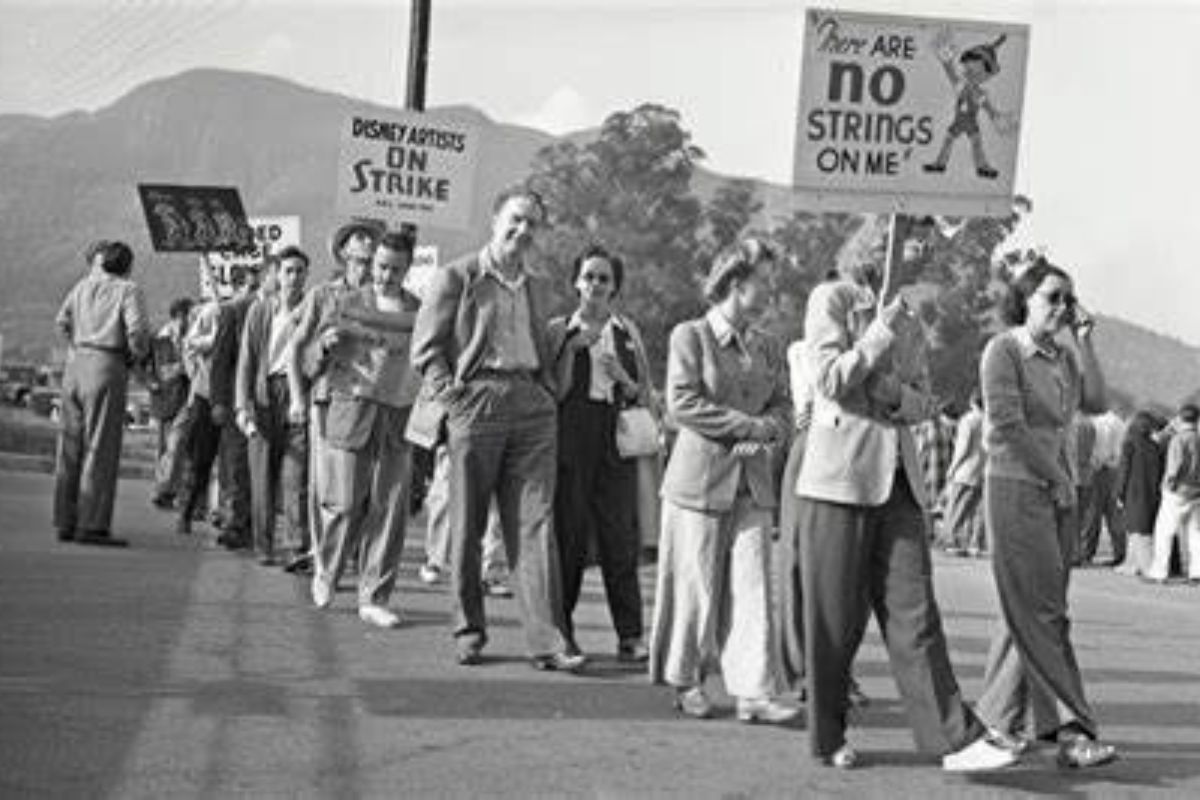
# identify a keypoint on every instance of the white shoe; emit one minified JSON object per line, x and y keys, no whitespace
{"x":765,"y":710}
{"x":322,"y":592}
{"x":379,"y":616}
{"x":430,"y":573}
{"x":979,"y":756}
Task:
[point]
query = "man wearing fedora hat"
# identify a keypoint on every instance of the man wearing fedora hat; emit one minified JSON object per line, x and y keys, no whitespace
{"x":351,"y":246}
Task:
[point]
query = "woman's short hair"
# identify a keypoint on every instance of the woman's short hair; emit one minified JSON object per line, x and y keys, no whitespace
{"x":116,"y":258}
{"x":599,"y":251}
{"x":401,"y":241}
{"x":734,"y":264}
{"x":1016,"y":302}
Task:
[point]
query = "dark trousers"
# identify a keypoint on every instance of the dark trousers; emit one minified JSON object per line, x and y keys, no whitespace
{"x":1102,"y":509}
{"x":234,"y":481}
{"x":201,"y":444}
{"x":855,"y":560}
{"x":279,"y":473}
{"x":789,"y":581}
{"x":503,"y":442}
{"x":596,"y":503}
{"x":89,"y":442}
{"x":1031,"y":666}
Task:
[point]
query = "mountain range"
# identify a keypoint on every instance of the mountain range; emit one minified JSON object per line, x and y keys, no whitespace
{"x":68,"y":180}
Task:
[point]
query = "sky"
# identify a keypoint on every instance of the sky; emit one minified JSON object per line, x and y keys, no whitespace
{"x":1107,"y":149}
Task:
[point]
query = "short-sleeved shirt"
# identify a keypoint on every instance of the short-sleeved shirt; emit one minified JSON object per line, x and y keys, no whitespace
{"x":106,"y":312}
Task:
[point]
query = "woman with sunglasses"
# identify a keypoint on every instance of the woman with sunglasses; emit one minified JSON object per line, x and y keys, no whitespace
{"x":601,"y":368}
{"x":1035,"y":376}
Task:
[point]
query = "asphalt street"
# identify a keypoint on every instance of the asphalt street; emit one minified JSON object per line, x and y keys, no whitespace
{"x":175,"y":669}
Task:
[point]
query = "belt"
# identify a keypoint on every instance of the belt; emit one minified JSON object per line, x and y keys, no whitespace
{"x":504,"y":374}
{"x":102,"y":348}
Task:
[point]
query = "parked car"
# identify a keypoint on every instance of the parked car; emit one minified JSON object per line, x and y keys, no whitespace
{"x":137,"y":408}
{"x":16,"y":381}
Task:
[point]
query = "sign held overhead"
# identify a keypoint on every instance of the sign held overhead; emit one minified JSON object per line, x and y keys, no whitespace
{"x":194,"y":219}
{"x":909,"y":115}
{"x":405,"y":166}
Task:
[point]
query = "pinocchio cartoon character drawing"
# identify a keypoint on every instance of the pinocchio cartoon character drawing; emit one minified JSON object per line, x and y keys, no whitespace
{"x":976,"y":66}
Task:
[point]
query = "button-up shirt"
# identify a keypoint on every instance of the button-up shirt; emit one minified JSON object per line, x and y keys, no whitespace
{"x":510,"y":340}
{"x":1031,"y":393}
{"x":106,"y":312}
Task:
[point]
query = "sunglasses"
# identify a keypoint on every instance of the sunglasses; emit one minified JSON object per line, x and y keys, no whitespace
{"x":1060,"y":298}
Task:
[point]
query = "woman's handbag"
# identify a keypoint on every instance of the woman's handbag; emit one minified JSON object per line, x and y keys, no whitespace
{"x":637,"y":433}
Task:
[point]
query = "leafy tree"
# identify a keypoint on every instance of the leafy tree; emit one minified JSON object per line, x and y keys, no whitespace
{"x":630,"y":189}
{"x":730,"y":210}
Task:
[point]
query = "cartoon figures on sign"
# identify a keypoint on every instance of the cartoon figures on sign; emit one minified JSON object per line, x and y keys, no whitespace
{"x":228,"y":233}
{"x":204,"y":232}
{"x":174,"y":226}
{"x":976,"y":66}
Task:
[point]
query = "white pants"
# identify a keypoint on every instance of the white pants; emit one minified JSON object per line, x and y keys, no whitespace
{"x":1176,"y":516}
{"x":713,"y":603}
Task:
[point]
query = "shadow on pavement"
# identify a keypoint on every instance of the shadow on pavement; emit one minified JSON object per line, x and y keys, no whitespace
{"x":84,"y":638}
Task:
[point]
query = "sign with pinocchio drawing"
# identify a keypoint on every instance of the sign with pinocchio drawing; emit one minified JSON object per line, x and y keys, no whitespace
{"x":909,"y":114}
{"x":403,"y":166}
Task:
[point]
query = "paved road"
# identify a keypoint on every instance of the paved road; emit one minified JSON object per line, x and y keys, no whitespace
{"x":176,"y":669}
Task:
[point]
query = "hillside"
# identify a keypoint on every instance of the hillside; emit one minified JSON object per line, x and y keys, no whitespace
{"x":68,"y":180}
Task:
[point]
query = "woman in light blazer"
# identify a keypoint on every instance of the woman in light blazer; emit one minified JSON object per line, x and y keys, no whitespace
{"x":727,"y":393}
{"x":1033,"y":384}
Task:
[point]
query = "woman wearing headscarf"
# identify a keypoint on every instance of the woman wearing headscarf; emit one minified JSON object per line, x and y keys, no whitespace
{"x":727,"y":392}
{"x":1034,"y":381}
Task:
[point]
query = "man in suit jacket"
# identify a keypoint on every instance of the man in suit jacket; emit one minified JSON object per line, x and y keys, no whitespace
{"x":278,"y":448}
{"x":233,"y":475}
{"x":863,"y":544}
{"x":480,"y":345}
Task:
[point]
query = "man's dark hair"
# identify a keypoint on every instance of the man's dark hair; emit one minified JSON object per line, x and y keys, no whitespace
{"x":520,"y":191}
{"x":116,"y":258}
{"x":1188,"y":412}
{"x":401,"y":241}
{"x":291,"y":251}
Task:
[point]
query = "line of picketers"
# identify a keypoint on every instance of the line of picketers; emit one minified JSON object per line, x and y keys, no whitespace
{"x":538,"y":427}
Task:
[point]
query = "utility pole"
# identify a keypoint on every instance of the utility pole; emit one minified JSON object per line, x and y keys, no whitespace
{"x":418,"y":54}
{"x":418,"y":64}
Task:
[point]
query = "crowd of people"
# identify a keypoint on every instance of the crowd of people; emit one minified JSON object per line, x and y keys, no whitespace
{"x":795,"y":502}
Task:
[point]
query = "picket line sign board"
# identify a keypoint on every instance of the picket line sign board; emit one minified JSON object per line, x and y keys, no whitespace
{"x":408,"y":166}
{"x":194,"y":219}
{"x":909,"y":115}
{"x":271,"y":234}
